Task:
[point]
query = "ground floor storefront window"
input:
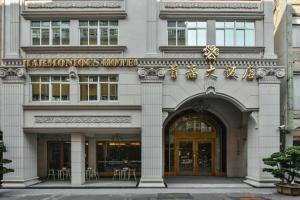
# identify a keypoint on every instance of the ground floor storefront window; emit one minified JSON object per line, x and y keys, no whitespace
{"x":112,"y":155}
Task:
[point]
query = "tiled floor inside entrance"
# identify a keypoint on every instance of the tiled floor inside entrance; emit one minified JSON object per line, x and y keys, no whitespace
{"x":204,"y":182}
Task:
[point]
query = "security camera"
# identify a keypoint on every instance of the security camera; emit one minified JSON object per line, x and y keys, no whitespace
{"x":281,"y":127}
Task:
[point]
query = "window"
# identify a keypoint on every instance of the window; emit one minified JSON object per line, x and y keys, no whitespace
{"x":104,"y":85}
{"x":50,"y":32}
{"x":296,"y":92}
{"x":295,"y":35}
{"x":98,"y":32}
{"x":181,"y":33}
{"x":50,"y":88}
{"x":235,"y":33}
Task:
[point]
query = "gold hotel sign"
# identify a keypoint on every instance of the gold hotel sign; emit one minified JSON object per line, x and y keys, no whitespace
{"x":60,"y":63}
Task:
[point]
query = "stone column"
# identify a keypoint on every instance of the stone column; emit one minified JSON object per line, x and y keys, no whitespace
{"x":268,"y":30}
{"x":152,"y":159}
{"x":263,"y":133}
{"x":92,"y":153}
{"x":21,"y":147}
{"x":77,"y":159}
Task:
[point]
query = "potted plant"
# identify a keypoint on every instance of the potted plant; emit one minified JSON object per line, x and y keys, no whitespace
{"x":285,"y":165}
{"x":3,"y":161}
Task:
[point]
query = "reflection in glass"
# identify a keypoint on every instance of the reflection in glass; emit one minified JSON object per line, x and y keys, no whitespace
{"x":205,"y":157}
{"x":185,"y":156}
{"x":83,"y":92}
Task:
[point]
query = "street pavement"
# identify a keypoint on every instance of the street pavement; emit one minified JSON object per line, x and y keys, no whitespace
{"x":143,"y":194}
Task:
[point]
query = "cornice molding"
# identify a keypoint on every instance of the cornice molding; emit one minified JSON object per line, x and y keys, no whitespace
{"x":80,"y":15}
{"x":74,"y":49}
{"x":62,"y":106}
{"x":197,"y":49}
{"x":205,"y":15}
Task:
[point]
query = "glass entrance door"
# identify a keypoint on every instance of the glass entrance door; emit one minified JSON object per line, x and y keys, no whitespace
{"x":194,"y":157}
{"x":204,"y":158}
{"x":185,"y":158}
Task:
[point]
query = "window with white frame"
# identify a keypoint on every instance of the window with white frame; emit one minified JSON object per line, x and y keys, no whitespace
{"x":295,"y":35}
{"x":50,"y":88}
{"x":187,"y":33}
{"x":296,"y":87}
{"x":94,"y":88}
{"x":50,"y":32}
{"x":98,"y":32}
{"x":235,"y":33}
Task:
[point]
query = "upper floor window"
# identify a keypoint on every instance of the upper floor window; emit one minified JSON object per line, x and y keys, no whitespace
{"x":187,"y":33}
{"x":296,"y":95}
{"x":235,"y":33}
{"x":98,"y":32}
{"x":295,"y":35}
{"x":50,"y":88}
{"x":50,"y":32}
{"x":94,"y":88}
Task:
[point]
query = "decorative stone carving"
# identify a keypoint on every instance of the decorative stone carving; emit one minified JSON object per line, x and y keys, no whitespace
{"x":75,"y":4}
{"x":262,"y":72}
{"x":73,"y":72}
{"x":19,"y":72}
{"x":82,"y":119}
{"x":210,"y":5}
{"x":151,"y":73}
{"x":210,"y":86}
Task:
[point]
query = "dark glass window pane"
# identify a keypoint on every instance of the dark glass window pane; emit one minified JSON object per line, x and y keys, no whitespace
{"x":180,"y":37}
{"x":83,"y":79}
{"x":113,"y":92}
{"x":104,"y":91}
{"x":104,"y":36}
{"x":55,"y":36}
{"x":83,"y":92}
{"x":36,"y":35}
{"x":56,"y":92}
{"x":45,"y":36}
{"x":93,"y":36}
{"x":83,"y":36}
{"x":35,"y":92}
{"x":65,"y":92}
{"x":45,"y":92}
{"x":171,"y":36}
{"x":93,"y":92}
{"x":113,"y":34}
{"x":65,"y":36}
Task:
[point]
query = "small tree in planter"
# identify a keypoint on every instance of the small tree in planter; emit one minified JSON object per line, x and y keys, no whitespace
{"x":285,"y":166}
{"x":3,"y":170}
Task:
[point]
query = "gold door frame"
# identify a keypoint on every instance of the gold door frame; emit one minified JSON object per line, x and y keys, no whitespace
{"x":195,"y":144}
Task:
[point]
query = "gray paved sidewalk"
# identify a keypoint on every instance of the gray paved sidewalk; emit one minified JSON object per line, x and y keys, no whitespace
{"x":142,"y":194}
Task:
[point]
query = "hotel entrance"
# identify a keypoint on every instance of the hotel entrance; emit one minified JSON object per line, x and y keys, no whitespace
{"x":194,"y":157}
{"x":195,"y":145}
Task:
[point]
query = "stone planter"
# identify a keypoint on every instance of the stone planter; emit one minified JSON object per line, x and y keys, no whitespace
{"x":293,"y":190}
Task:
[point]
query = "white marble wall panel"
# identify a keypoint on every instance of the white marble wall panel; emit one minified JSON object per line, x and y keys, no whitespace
{"x":77,"y":159}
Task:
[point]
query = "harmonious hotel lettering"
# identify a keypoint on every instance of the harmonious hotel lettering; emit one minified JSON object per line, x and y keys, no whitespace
{"x":36,"y":63}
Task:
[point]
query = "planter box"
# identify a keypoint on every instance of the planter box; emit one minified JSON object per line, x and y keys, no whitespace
{"x":293,"y":190}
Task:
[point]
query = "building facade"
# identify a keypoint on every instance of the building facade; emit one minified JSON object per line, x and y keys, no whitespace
{"x":169,"y":87}
{"x":287,"y":43}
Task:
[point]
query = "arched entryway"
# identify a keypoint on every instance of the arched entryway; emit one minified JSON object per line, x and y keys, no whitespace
{"x":195,"y":144}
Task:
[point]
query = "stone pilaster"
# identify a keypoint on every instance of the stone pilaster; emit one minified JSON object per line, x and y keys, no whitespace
{"x":12,"y":28}
{"x":21,"y":147}
{"x":77,"y":159}
{"x":92,"y":153}
{"x":152,"y":155}
{"x":152,"y":16}
{"x":263,"y":135}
